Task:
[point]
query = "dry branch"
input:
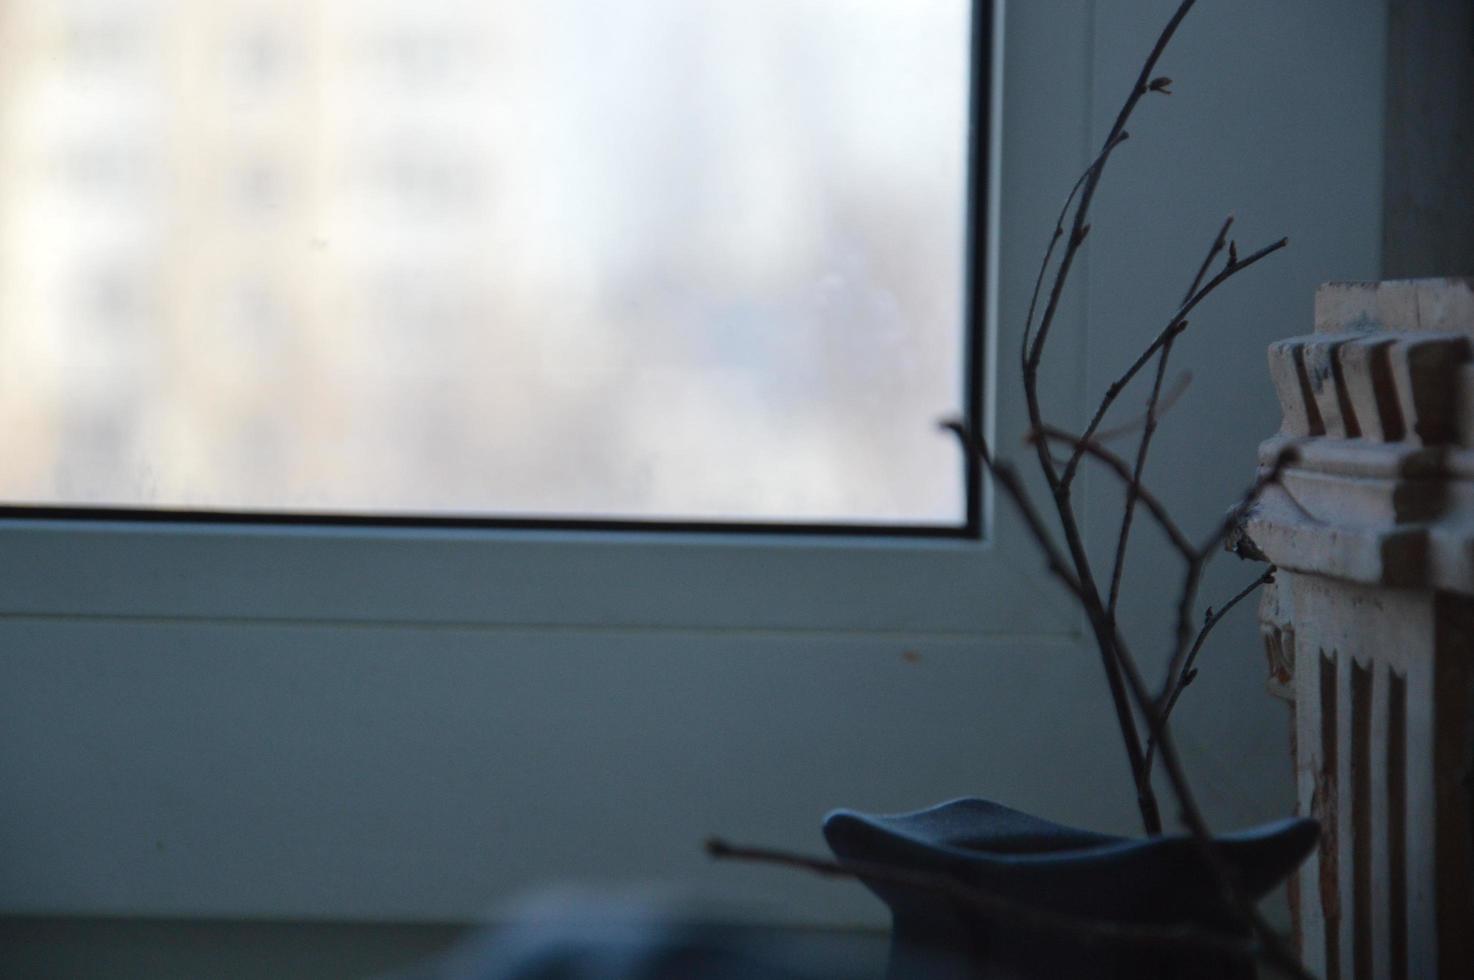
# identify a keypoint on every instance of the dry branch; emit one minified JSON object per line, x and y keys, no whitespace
{"x":1149,"y":428}
{"x":1274,"y":949}
{"x":1176,"y":683}
{"x":1129,"y":691}
{"x":1175,"y":326}
{"x":1118,"y":466}
{"x":1067,"y":559}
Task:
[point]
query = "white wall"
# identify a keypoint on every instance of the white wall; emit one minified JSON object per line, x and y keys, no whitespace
{"x":212,"y":764}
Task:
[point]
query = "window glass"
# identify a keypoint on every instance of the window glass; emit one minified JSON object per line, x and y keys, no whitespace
{"x":649,"y":259}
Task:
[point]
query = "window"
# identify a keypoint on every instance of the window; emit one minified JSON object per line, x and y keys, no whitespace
{"x":356,"y":709}
{"x":336,"y":721}
{"x":659,"y":260}
{"x":307,"y":565}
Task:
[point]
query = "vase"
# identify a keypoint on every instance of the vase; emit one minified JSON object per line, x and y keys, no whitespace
{"x":1031,"y":863}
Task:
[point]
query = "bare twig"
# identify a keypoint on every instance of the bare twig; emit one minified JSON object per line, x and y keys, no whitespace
{"x":1213,"y":252}
{"x":1012,"y":911}
{"x":1145,"y":84}
{"x":1195,"y":556}
{"x":1073,"y":567}
{"x":1168,"y":401}
{"x":1121,"y":671}
{"x":1288,"y":456}
{"x":1149,"y":428}
{"x":1080,"y":227}
{"x":1178,"y":683}
{"x":1059,"y":232}
{"x":1008,"y":479}
{"x":1175,"y":326}
{"x":1118,"y":466}
{"x":1076,"y":575}
{"x":1133,"y":485}
{"x":1275,"y":949}
{"x":1068,"y":560}
{"x":1191,"y":814}
{"x":1210,"y":546}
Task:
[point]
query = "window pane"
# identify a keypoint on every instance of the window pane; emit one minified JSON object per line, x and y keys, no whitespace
{"x":658,"y":259}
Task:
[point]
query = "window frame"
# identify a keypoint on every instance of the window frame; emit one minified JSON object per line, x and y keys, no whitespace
{"x":181,"y":746}
{"x":75,"y":562}
{"x":355,"y":710}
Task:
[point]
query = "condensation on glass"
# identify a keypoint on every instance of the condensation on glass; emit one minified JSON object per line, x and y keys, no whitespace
{"x":650,"y":259}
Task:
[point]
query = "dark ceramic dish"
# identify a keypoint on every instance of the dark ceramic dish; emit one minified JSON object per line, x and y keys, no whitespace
{"x":1159,"y":881}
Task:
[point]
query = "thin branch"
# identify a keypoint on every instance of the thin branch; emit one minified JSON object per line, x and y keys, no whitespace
{"x":1188,"y":673}
{"x":1133,"y":482}
{"x":1288,"y":455}
{"x":1056,"y":564}
{"x":1008,"y":479}
{"x":1080,"y":229}
{"x":1070,"y":563}
{"x":1149,"y":429}
{"x":1276,"y":951}
{"x":1123,"y":676}
{"x":1175,"y":326}
{"x":1191,"y":814}
{"x":1088,"y":590}
{"x":1082,"y":586}
{"x":991,"y":905}
{"x":1219,"y":244}
{"x":1118,"y":466}
{"x":1169,"y":400}
{"x":1211,"y":545}
{"x":1059,"y":232}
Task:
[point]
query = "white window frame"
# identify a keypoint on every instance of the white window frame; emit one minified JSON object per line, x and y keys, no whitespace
{"x":155,"y":802}
{"x":568,"y":578}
